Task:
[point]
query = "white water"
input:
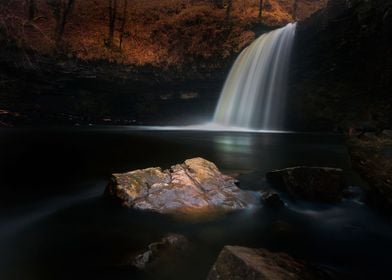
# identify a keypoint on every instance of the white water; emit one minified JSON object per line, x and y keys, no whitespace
{"x":206,"y":127}
{"x":254,"y":93}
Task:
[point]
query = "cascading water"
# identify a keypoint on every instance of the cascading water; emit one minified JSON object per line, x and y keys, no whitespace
{"x":254,"y":93}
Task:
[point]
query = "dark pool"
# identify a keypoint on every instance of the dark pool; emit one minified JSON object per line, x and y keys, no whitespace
{"x":54,"y":223}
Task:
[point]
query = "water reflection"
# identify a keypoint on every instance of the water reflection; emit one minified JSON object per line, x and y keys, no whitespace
{"x":236,"y":150}
{"x":82,"y":236}
{"x":233,"y":143}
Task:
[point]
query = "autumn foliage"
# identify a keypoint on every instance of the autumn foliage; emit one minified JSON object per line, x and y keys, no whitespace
{"x":157,"y":32}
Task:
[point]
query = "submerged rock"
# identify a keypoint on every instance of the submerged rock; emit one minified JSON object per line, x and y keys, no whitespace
{"x":387,"y":133}
{"x":311,"y":183}
{"x":195,"y":186}
{"x":168,"y":247}
{"x":272,"y":199}
{"x":243,"y":263}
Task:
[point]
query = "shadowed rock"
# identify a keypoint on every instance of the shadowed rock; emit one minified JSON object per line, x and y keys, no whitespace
{"x":168,"y":247}
{"x":271,"y":199}
{"x":311,"y":183}
{"x":194,"y":186}
{"x":387,"y":133}
{"x":243,"y":263}
{"x":372,"y":158}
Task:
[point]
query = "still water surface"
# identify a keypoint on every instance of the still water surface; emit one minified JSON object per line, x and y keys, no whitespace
{"x":54,"y":223}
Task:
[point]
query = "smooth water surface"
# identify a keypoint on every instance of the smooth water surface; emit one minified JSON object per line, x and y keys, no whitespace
{"x":54,"y":223}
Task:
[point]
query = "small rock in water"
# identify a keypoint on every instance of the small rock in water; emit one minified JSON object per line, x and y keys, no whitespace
{"x":272,"y":199}
{"x":244,"y":263}
{"x":322,"y":184}
{"x":193,"y":187}
{"x":368,"y":136}
{"x":387,"y":133}
{"x":352,"y":192}
{"x":168,"y":245}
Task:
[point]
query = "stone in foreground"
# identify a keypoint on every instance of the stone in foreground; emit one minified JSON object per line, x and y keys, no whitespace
{"x":322,"y":184}
{"x":194,"y":186}
{"x":244,"y":263}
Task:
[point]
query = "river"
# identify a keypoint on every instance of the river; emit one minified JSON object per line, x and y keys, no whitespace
{"x":54,"y":223}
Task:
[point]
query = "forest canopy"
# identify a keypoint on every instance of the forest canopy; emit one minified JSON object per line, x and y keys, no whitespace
{"x":158,"y":32}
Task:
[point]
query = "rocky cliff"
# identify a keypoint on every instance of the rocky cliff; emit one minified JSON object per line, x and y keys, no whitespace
{"x":342,"y":67}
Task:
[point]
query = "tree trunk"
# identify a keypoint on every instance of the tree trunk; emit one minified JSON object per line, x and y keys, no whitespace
{"x":260,"y":9}
{"x":31,"y":9}
{"x":295,"y":8}
{"x":112,"y":20}
{"x":61,"y":10}
{"x":228,"y":9}
{"x":65,"y":8}
{"x":124,"y":20}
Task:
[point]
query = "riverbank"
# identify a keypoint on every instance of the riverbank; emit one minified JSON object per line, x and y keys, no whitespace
{"x":71,"y":92}
{"x":371,"y":156}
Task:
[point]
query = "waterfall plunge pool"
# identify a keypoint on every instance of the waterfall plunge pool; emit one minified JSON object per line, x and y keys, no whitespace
{"x":55,"y":225}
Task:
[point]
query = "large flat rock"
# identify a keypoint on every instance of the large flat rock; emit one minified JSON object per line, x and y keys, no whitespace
{"x":196,"y":185}
{"x":235,"y":262}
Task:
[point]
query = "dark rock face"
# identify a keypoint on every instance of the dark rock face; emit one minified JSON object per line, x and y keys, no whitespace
{"x":311,"y":183}
{"x":195,"y":186}
{"x":372,"y":158}
{"x":243,"y":263}
{"x":169,"y":246}
{"x":342,"y":67}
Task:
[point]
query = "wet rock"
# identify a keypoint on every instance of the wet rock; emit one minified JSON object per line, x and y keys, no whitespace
{"x":243,"y":263}
{"x":368,"y":136}
{"x":189,"y":95}
{"x":352,"y":192}
{"x":195,"y":186}
{"x":168,"y":245}
{"x":8,"y":118}
{"x":387,"y":133}
{"x":272,"y":199}
{"x":373,"y":161}
{"x":311,"y":183}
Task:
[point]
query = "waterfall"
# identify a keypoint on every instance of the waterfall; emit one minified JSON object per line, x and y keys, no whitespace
{"x":254,"y":92}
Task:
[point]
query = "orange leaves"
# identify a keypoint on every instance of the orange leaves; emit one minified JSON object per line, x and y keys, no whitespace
{"x":160,"y":32}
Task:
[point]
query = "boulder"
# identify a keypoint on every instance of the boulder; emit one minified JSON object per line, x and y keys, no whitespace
{"x":195,"y":186}
{"x":322,"y":184}
{"x":243,"y":263}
